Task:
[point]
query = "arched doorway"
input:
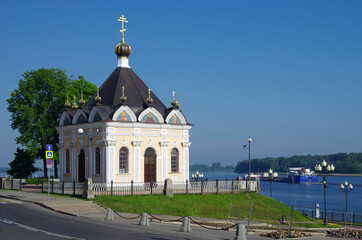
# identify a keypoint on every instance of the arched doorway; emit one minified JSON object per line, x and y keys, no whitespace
{"x":150,"y":165}
{"x":81,"y":166}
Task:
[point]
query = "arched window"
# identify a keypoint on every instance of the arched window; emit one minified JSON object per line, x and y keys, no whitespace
{"x":123,"y":160}
{"x":67,"y":162}
{"x":98,"y":161}
{"x":66,"y":121}
{"x":97,"y":117}
{"x":81,"y":119}
{"x":174,"y":160}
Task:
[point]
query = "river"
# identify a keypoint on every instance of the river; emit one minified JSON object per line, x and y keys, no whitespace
{"x":307,"y":195}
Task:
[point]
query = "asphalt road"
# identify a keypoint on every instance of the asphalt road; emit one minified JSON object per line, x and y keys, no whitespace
{"x":20,"y":220}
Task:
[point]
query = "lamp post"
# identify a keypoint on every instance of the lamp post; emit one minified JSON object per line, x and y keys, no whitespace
{"x":197,"y":176}
{"x":346,"y":189}
{"x":270,"y":175}
{"x":324,"y":171}
{"x":247,"y":178}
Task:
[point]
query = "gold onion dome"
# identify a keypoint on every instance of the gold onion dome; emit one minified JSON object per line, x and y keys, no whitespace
{"x":98,"y":98}
{"x":81,"y":101}
{"x":75,"y":106}
{"x":123,"y":98}
{"x":123,"y":49}
{"x":67,"y":103}
{"x":149,"y":100}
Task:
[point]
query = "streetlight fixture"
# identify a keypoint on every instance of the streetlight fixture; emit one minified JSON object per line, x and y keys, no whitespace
{"x":197,"y":176}
{"x":247,"y":178}
{"x":270,"y":176}
{"x":346,"y":189}
{"x":324,"y":171}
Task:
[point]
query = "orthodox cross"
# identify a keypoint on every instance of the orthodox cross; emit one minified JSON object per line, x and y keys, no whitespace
{"x":123,"y":20}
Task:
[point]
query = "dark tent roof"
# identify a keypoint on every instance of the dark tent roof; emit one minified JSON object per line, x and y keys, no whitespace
{"x":136,"y":92}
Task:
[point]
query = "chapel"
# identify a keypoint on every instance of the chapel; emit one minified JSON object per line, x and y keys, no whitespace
{"x":124,"y":132}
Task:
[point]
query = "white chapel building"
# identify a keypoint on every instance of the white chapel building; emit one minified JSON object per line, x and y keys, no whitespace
{"x":124,"y":132}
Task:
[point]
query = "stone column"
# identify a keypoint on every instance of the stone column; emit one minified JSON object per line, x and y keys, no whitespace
{"x":164,"y":165}
{"x":136,"y":154}
{"x":186,"y":146}
{"x":88,"y":189}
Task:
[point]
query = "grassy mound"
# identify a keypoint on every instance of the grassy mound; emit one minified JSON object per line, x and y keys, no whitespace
{"x":209,"y":206}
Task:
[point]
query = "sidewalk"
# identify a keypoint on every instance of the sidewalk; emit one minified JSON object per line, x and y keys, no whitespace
{"x":88,"y":209}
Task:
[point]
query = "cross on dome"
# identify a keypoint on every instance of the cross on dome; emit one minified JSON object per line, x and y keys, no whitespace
{"x":123,"y":20}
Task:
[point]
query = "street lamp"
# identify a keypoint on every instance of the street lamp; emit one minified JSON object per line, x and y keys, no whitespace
{"x":197,"y":176}
{"x":324,"y":171}
{"x":247,"y":185}
{"x":270,"y":176}
{"x":346,"y":189}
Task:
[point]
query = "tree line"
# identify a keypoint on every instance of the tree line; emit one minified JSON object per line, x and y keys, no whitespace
{"x":214,"y":167}
{"x":344,"y":163}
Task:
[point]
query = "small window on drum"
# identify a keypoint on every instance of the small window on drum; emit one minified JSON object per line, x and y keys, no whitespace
{"x":123,"y":160}
{"x":67,"y":162}
{"x":98,"y":161}
{"x":174,"y":160}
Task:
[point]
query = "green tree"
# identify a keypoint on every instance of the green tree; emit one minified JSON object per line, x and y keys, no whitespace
{"x":23,"y":164}
{"x":36,"y":106}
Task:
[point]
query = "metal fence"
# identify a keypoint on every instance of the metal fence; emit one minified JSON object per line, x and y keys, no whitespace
{"x":72,"y":188}
{"x":147,"y":188}
{"x":332,"y":215}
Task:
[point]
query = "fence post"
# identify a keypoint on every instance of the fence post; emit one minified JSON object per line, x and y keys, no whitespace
{"x":111,"y":187}
{"x":131,"y":187}
{"x":202,"y":187}
{"x":42,"y":186}
{"x":20,"y":184}
{"x":187,"y":186}
{"x":232,"y":186}
{"x":217,"y":186}
{"x":12,"y":184}
{"x":63,"y":187}
{"x":74,"y":188}
{"x":151,"y":187}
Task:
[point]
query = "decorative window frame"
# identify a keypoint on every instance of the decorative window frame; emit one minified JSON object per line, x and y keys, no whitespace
{"x":63,"y":117}
{"x":126,"y":170}
{"x":127,"y":110}
{"x":177,"y":161}
{"x":154,"y":112}
{"x":178,"y":114}
{"x":77,"y":115}
{"x":93,"y":113}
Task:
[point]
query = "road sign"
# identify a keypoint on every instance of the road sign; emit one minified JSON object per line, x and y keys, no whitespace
{"x":50,"y":166}
{"x":49,"y":161}
{"x":49,"y":147}
{"x":49,"y":154}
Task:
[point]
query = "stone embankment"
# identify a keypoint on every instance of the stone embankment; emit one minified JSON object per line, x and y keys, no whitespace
{"x":284,"y":234}
{"x":349,"y":233}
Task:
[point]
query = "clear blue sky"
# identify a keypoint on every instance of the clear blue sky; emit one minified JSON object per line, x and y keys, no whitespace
{"x":286,"y":73}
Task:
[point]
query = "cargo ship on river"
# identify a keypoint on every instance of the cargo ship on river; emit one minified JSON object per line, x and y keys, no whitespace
{"x":301,"y":175}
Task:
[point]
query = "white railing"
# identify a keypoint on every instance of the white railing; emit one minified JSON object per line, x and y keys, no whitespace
{"x":141,"y":188}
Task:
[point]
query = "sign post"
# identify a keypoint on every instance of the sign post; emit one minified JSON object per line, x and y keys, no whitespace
{"x":49,"y":161}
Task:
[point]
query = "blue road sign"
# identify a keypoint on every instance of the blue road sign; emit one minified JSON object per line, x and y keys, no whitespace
{"x":49,"y":154}
{"x":49,"y":147}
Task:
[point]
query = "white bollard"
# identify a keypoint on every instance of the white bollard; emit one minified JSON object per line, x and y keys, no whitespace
{"x":109,"y":215}
{"x":240,"y":232}
{"x":145,"y":221}
{"x":185,"y":225}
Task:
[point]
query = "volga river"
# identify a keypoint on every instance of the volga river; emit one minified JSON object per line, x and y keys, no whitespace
{"x":301,"y":195}
{"x":307,"y":195}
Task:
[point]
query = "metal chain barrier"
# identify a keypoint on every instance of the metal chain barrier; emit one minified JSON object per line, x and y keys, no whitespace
{"x":165,"y":220}
{"x":130,"y":218}
{"x":202,"y":225}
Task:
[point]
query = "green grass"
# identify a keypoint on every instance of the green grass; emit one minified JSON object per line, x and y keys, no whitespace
{"x":264,"y":208}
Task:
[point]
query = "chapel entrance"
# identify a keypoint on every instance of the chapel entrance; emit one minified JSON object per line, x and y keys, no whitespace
{"x":81,"y":166}
{"x":150,"y":165}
